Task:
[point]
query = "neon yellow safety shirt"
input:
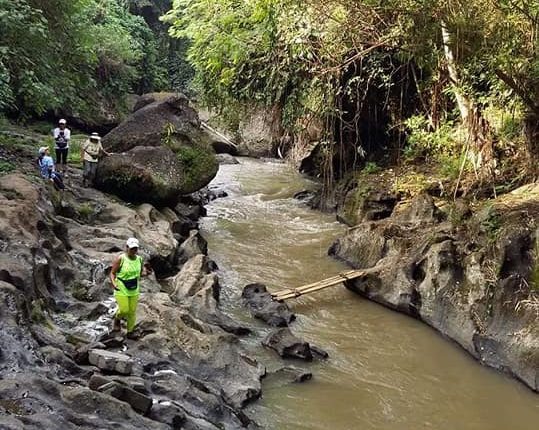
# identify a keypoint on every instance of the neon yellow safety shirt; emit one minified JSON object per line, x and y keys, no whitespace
{"x":130,"y":270}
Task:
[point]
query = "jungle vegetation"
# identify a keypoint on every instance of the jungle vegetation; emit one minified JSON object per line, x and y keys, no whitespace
{"x":452,"y":82}
{"x":78,"y":57}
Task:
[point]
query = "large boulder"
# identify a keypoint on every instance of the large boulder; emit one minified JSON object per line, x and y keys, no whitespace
{"x":155,"y":116}
{"x":152,"y":174}
{"x":160,"y":151}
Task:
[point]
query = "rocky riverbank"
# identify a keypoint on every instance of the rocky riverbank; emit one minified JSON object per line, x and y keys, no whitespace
{"x":58,"y":366}
{"x":471,"y":271}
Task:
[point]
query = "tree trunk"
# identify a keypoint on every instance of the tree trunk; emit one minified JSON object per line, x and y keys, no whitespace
{"x":531,"y":129}
{"x":477,"y":127}
{"x":463,"y":102}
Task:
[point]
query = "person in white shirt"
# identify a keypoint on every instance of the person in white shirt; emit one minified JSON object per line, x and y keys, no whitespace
{"x":91,"y":150}
{"x":62,"y":135}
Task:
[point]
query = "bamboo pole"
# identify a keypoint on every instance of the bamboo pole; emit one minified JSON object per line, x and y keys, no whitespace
{"x":289,"y":293}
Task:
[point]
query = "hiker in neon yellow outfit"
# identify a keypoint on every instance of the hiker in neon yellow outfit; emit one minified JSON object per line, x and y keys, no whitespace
{"x":125,"y":275}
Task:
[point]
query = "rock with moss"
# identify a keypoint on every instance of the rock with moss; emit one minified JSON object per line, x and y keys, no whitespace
{"x":161,"y":152}
{"x":156,"y":175}
{"x":155,"y":119}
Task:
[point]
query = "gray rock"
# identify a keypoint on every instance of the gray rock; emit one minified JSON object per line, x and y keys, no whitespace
{"x":148,"y":174}
{"x":121,"y":391}
{"x":81,"y":354}
{"x":45,"y":330}
{"x":287,"y":345}
{"x":168,"y":413}
{"x":441,"y":272}
{"x":195,"y":244}
{"x":226,"y":159}
{"x":263,"y":307}
{"x":192,"y":211}
{"x":111,"y":361}
{"x":161,"y":152}
{"x":294,"y":374}
{"x":420,"y":210}
{"x":196,"y":277}
{"x":152,"y":114}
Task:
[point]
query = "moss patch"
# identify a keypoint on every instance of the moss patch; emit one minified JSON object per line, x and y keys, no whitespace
{"x":197,"y":163}
{"x":37,"y":312}
{"x":354,"y":202}
{"x":534,"y":276}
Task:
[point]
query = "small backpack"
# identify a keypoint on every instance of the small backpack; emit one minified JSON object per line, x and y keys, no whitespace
{"x":61,"y":141}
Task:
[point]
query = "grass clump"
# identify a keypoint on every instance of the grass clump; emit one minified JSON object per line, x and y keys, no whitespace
{"x":85,"y":211}
{"x":6,"y":167}
{"x":491,"y":224}
{"x":37,"y":312}
{"x":371,"y":168}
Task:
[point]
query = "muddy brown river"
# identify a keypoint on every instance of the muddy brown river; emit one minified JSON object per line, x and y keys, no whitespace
{"x":386,"y":371}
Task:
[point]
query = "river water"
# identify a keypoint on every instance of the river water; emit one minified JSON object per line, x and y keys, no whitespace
{"x":386,"y":371}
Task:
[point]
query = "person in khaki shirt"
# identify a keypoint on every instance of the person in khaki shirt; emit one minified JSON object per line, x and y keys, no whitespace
{"x":91,"y":150}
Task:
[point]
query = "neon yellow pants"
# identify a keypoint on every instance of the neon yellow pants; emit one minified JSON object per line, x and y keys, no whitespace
{"x":127,"y":310}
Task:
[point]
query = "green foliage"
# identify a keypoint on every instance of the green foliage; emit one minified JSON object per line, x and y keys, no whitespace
{"x":534,"y":276}
{"x":73,"y":55}
{"x":423,"y":142}
{"x":510,"y":129}
{"x":6,"y":167}
{"x":441,"y":146}
{"x":491,"y":224}
{"x":37,"y":312}
{"x":85,"y":211}
{"x":168,"y":135}
{"x":301,"y":59}
{"x":74,"y":154}
{"x":257,"y":52}
{"x":455,"y":214}
{"x":371,"y":168}
{"x":450,"y":165}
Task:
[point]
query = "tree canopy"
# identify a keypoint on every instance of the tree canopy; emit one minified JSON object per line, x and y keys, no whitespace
{"x":468,"y":61}
{"x":74,"y":55}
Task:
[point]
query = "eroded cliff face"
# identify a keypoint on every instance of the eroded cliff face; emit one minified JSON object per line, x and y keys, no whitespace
{"x":472,"y":274}
{"x":184,"y":369}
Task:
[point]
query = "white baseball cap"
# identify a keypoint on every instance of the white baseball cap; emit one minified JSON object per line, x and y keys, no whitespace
{"x":132,"y":243}
{"x":62,"y":121}
{"x":43,"y":149}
